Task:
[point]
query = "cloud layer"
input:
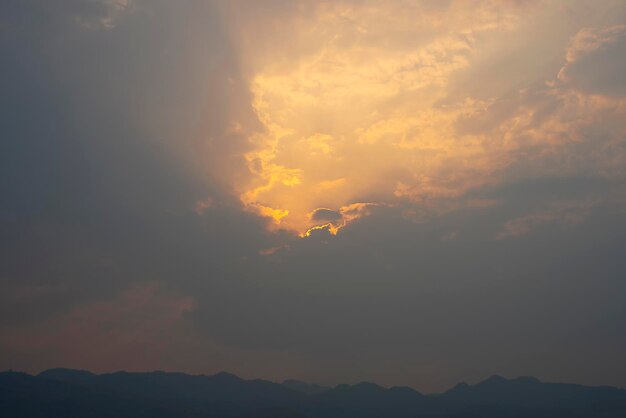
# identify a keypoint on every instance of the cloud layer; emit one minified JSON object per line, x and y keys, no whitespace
{"x":412,"y":192}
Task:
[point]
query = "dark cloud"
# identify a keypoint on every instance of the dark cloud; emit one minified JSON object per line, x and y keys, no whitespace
{"x":323,"y":214}
{"x":98,"y":170}
{"x":595,"y":61}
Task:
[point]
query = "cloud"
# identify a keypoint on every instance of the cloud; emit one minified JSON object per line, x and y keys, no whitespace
{"x":85,"y":14}
{"x":203,"y":205}
{"x":356,"y":102}
{"x":564,"y":213}
{"x":353,"y":112}
{"x":588,"y":40}
{"x":593,"y":61}
{"x":323,"y":214}
{"x":415,"y":131}
{"x":336,"y":220}
{"x":144,"y":322}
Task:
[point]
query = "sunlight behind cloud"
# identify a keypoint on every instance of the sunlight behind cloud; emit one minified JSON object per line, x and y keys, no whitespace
{"x":397,"y":103}
{"x":357,"y":117}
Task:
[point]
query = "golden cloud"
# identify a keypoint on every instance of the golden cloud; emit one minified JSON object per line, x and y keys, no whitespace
{"x":359,"y":102}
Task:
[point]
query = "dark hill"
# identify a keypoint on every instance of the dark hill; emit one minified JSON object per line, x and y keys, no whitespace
{"x":531,"y":393}
{"x":67,"y":375}
{"x":303,"y":387}
{"x":80,"y":394}
{"x":370,"y":400}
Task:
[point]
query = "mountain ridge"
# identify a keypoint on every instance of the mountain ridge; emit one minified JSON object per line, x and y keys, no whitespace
{"x":225,"y":395}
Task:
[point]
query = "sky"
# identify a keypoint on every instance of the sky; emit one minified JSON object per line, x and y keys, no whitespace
{"x":407,"y":192}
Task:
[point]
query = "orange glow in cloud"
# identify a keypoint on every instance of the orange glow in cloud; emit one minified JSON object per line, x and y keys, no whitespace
{"x":337,"y":220}
{"x":363,"y":102}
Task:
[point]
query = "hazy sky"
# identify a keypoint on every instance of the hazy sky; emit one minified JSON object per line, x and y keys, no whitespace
{"x":407,"y":192}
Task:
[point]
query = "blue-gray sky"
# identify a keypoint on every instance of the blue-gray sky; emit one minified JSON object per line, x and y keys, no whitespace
{"x":409,"y":192}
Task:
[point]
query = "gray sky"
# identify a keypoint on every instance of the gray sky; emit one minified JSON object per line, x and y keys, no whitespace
{"x":412,"y":193}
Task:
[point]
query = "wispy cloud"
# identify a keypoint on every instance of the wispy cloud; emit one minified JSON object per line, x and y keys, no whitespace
{"x":562,"y":213}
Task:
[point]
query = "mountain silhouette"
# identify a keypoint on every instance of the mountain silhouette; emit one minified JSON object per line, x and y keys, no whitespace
{"x":67,"y":375}
{"x":530,"y":392}
{"x":78,"y":393}
{"x":370,"y":400}
{"x":303,"y":387}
